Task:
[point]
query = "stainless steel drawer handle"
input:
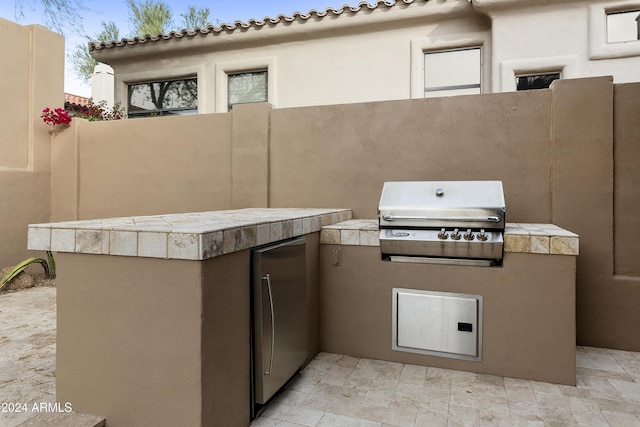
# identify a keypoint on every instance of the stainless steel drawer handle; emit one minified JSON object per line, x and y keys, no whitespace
{"x":492,"y":218}
{"x":267,"y":278}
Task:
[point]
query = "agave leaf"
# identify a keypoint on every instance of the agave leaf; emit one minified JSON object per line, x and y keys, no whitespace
{"x":52,"y":265}
{"x":20,"y":267}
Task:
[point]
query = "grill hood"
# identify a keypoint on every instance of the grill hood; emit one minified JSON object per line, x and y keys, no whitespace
{"x":452,"y":222}
{"x":435,"y":204}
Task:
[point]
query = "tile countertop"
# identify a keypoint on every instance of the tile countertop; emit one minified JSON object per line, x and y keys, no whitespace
{"x":524,"y":238}
{"x":190,"y":236}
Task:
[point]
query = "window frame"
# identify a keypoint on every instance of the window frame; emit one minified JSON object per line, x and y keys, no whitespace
{"x":223,"y":69}
{"x":418,"y":47}
{"x":623,"y":12}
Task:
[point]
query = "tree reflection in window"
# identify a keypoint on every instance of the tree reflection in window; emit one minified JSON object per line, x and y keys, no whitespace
{"x":163,"y":98}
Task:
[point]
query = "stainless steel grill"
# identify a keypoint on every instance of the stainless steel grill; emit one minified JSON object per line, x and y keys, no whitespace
{"x":453,"y":222}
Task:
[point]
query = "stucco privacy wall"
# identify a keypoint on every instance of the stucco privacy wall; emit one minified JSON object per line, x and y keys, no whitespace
{"x":31,"y":66}
{"x":346,"y":152}
{"x":141,"y":167}
{"x":553,"y":149}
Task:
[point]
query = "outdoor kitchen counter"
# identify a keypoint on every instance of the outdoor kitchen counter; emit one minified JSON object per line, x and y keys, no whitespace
{"x":154,"y":312}
{"x":518,"y":237}
{"x":188,"y":236}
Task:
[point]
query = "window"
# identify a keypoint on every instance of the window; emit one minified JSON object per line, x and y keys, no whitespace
{"x":162,"y":98}
{"x":452,"y":72}
{"x":247,"y":87}
{"x":623,"y":26}
{"x":536,"y":81}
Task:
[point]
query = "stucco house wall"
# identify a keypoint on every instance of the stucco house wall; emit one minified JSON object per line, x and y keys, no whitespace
{"x":376,"y":52}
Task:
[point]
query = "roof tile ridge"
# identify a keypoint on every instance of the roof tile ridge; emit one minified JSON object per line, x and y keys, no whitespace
{"x":253,"y":22}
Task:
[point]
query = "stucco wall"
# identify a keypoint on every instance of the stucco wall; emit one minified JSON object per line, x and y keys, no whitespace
{"x":153,"y":166}
{"x":528,"y":321}
{"x":346,"y":152}
{"x":535,"y":37}
{"x":553,"y":150}
{"x":32,"y":68}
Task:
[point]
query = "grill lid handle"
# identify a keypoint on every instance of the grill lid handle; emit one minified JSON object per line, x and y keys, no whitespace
{"x":491,"y":218}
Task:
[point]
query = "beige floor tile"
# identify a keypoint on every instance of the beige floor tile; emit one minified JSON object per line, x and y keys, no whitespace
{"x":601,"y":361}
{"x":339,"y":391}
{"x":525,"y":414}
{"x":520,"y":392}
{"x":463,"y":415}
{"x":293,"y":414}
{"x":333,"y":420}
{"x":413,"y":374}
{"x":629,"y":391}
{"x":431,"y":419}
{"x":401,"y":414}
{"x":379,"y":397}
{"x":621,"y":419}
{"x":588,"y":372}
{"x":590,"y":419}
{"x":564,"y":402}
{"x":601,"y":388}
{"x":555,"y":416}
{"x":618,"y":406}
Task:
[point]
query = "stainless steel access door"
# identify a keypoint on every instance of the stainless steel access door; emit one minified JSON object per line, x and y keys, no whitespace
{"x":437,"y":323}
{"x":279,"y":315}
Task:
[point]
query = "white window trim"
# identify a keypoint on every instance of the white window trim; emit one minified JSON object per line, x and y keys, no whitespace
{"x":463,"y":41}
{"x":232,"y":67}
{"x":123,"y":81}
{"x":567,"y":66}
{"x":598,"y":46}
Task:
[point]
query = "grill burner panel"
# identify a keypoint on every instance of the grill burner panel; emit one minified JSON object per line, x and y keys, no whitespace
{"x":428,"y":243}
{"x":447,"y":220}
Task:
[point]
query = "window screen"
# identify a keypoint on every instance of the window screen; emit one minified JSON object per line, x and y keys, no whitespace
{"x":452,"y":72}
{"x":247,"y":87}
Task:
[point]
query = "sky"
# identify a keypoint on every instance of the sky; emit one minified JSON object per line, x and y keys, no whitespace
{"x":224,"y":11}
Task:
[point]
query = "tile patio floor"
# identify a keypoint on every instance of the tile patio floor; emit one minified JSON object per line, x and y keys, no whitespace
{"x":335,"y":390}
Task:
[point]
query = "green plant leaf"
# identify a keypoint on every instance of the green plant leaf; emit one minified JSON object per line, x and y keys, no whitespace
{"x":23,"y":265}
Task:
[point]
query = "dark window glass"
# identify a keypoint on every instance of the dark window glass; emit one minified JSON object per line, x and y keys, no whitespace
{"x":163,"y":98}
{"x":536,"y":81}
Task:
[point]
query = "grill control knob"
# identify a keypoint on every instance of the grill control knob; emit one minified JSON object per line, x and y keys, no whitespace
{"x":468,"y":235}
{"x":482,"y":236}
{"x":455,"y":235}
{"x":442,"y":235}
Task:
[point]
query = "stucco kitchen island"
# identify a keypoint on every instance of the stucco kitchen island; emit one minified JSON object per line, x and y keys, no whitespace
{"x":153,"y":312}
{"x":527,"y":324}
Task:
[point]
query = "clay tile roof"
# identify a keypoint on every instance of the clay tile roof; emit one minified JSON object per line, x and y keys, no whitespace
{"x":75,"y":100}
{"x":255,"y":23}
